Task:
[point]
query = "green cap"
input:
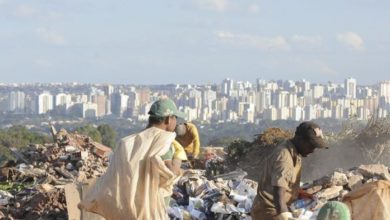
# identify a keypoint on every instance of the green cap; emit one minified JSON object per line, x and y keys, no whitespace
{"x":334,"y":210}
{"x":165,"y":107}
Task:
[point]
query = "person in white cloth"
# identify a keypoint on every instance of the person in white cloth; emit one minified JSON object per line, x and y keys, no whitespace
{"x":138,"y":180}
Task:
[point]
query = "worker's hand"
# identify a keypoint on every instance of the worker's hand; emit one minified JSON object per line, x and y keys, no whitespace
{"x":302,"y":194}
{"x":285,"y":216}
{"x":195,"y":157}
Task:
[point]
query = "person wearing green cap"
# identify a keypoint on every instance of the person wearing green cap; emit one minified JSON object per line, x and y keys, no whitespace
{"x":138,"y":181}
{"x":334,"y":210}
{"x":163,"y":114}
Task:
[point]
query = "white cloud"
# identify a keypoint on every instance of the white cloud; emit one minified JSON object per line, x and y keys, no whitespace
{"x":50,"y":37}
{"x":352,"y":40}
{"x":311,"y":40}
{"x":25,"y":11}
{"x":254,"y":9}
{"x":213,"y":5}
{"x":247,"y":40}
{"x":224,"y":35}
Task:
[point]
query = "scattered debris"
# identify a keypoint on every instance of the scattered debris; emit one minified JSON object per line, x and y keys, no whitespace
{"x":335,"y":187}
{"x":34,"y":188}
{"x":227,"y":195}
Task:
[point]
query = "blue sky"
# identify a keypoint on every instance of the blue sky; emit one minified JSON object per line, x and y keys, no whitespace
{"x":193,"y":41}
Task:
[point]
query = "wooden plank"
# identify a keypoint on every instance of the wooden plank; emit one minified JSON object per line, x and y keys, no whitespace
{"x":72,"y":195}
{"x":84,"y":214}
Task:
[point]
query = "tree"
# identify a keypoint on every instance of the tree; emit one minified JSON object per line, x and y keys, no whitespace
{"x":108,"y":135}
{"x":90,"y":131}
{"x":20,"y":136}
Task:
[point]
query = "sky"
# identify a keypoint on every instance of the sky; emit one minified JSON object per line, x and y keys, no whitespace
{"x":193,"y":41}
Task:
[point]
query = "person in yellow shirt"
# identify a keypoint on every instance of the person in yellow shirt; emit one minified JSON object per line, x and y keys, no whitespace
{"x":174,"y":157}
{"x":188,"y":137}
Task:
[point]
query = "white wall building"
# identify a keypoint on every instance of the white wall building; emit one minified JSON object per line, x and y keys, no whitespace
{"x":44,"y":103}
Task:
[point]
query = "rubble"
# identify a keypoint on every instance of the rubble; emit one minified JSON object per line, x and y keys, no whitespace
{"x":355,"y":181}
{"x":374,"y":170}
{"x":335,"y":186}
{"x":34,"y":188}
{"x":226,"y":195}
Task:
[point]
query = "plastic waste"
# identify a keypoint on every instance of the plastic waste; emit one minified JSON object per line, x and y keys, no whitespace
{"x":197,"y":214}
{"x":195,"y":203}
{"x":70,"y":148}
{"x":238,"y":198}
{"x":175,"y":213}
{"x":4,"y":202}
{"x":301,"y":203}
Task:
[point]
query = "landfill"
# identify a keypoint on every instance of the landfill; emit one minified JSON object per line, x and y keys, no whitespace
{"x":334,"y":187}
{"x":33,"y":187}
{"x":225,"y":196}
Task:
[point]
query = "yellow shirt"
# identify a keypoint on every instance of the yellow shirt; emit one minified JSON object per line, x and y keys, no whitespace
{"x":190,"y":141}
{"x":179,"y":151}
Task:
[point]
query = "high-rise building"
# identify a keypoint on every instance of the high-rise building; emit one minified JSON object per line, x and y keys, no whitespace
{"x":62,"y":99}
{"x":249,"y":115}
{"x":292,"y":100}
{"x":297,"y":113}
{"x":44,"y":102}
{"x":270,"y":113}
{"x":337,"y":111}
{"x":108,"y":90}
{"x":262,"y":100}
{"x":133,"y":104}
{"x":143,"y":95}
{"x":89,"y":110}
{"x":208,"y":96}
{"x":310,"y":112}
{"x":101,"y":104}
{"x":227,"y":87}
{"x":281,"y":99}
{"x":119,"y":103}
{"x":384,"y":88}
{"x":350,"y":88}
{"x":283,"y":113}
{"x":16,"y":101}
{"x":318,"y":91}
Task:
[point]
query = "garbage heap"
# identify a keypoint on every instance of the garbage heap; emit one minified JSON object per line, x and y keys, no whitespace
{"x":334,"y":187}
{"x":225,"y":196}
{"x":33,"y":186}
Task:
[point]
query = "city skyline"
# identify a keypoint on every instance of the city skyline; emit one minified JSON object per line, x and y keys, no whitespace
{"x":228,"y":101}
{"x":194,"y":41}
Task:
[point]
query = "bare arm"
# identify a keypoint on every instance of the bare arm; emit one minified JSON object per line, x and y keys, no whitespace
{"x":168,"y":163}
{"x":196,"y":142}
{"x":176,"y":164}
{"x":279,"y":199}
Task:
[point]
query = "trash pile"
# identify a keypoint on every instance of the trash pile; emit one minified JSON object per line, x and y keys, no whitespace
{"x":334,"y":187}
{"x":34,"y":188}
{"x":245,"y":154}
{"x":226,"y":196}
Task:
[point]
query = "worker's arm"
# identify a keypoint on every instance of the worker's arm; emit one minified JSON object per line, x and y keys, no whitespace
{"x":195,"y":142}
{"x":167,"y":158}
{"x":176,"y":166}
{"x":279,"y":199}
{"x":282,"y":177}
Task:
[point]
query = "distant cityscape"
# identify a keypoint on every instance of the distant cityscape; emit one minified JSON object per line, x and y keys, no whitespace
{"x":228,"y":101}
